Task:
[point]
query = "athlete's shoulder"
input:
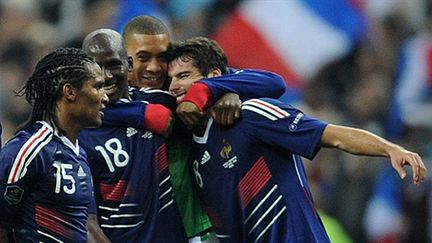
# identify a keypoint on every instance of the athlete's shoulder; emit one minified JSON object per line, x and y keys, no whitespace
{"x":253,"y":72}
{"x":36,"y":136}
{"x":267,"y":108}
{"x":148,"y":93}
{"x":154,"y":96}
{"x":26,"y":147}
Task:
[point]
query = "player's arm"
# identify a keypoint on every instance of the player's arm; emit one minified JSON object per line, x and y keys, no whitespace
{"x":94,"y":232}
{"x":361,"y":142}
{"x":246,"y":83}
{"x":280,"y":125}
{"x":154,"y":96}
{"x":16,"y":184}
{"x":155,"y":117}
{"x":223,"y":93}
{"x":225,"y":112}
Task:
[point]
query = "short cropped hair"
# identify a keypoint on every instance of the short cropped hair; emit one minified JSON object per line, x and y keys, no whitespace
{"x":145,"y":24}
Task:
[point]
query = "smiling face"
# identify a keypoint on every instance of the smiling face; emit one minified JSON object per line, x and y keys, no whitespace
{"x":148,"y":59}
{"x":183,"y":74}
{"x":110,"y":54}
{"x":91,"y":99}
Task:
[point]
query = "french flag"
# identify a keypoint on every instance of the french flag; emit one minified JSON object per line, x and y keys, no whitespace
{"x":412,"y":103}
{"x":293,"y":38}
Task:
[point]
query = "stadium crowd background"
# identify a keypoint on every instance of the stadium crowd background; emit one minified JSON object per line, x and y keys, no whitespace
{"x":368,"y":86}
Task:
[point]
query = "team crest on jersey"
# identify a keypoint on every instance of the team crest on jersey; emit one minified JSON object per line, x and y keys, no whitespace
{"x":226,"y":149}
{"x":13,"y":194}
{"x":225,"y":154}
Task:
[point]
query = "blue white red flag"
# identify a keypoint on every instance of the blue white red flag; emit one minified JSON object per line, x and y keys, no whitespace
{"x":294,"y":38}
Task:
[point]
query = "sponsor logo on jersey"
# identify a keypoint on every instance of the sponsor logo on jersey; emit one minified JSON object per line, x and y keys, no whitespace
{"x":293,"y":126}
{"x":81,"y":172}
{"x":147,"y":135}
{"x":206,"y":157}
{"x":130,"y":131}
{"x":13,"y":194}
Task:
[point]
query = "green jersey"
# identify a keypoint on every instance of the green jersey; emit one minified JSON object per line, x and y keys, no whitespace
{"x":194,"y":217}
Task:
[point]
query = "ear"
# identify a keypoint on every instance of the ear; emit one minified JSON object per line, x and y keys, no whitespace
{"x":214,"y":73}
{"x":69,"y":92}
{"x":130,"y":62}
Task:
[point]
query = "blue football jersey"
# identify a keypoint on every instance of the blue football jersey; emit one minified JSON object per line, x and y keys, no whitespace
{"x":154,"y":96}
{"x":251,"y":178}
{"x":247,"y":83}
{"x":45,"y":187}
{"x":132,"y":185}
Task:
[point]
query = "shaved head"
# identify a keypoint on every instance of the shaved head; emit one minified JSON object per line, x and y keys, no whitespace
{"x":102,"y":39}
{"x":106,"y":46}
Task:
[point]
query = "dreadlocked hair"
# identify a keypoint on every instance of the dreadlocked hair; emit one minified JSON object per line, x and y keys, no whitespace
{"x":44,"y":87}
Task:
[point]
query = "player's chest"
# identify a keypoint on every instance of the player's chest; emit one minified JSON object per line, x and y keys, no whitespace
{"x":117,"y":151}
{"x":223,"y":157}
{"x":67,"y":180}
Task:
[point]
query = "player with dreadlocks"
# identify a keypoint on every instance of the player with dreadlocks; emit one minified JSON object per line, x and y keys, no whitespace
{"x":45,"y":183}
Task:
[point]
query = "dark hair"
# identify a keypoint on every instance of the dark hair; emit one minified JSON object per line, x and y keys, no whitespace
{"x":145,"y":24}
{"x":44,"y":87}
{"x":206,"y":54}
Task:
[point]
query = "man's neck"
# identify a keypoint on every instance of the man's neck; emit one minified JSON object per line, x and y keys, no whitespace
{"x":68,"y":127}
{"x":199,"y":130}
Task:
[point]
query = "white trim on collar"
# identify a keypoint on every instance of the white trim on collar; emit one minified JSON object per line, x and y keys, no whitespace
{"x":204,"y":138}
{"x":75,"y":147}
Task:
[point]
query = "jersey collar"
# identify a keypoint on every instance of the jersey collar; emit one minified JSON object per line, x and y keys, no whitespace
{"x":204,"y":138}
{"x":64,"y":139}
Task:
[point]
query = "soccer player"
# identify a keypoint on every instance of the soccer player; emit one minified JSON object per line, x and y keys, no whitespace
{"x":129,"y":166}
{"x":45,"y":183}
{"x":147,"y":40}
{"x":250,"y":175}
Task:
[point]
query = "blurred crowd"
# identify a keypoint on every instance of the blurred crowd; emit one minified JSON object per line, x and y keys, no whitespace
{"x":384,"y":85}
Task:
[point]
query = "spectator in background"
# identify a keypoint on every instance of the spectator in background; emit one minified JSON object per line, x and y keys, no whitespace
{"x":390,"y":216}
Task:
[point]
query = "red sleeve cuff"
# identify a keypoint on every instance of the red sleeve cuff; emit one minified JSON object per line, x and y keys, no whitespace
{"x":156,"y":118}
{"x":199,"y":94}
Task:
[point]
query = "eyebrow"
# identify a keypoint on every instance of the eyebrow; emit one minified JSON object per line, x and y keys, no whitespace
{"x":181,"y":73}
{"x":142,"y":52}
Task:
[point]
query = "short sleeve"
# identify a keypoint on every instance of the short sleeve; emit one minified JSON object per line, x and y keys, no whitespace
{"x":277,"y":124}
{"x":17,"y":175}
